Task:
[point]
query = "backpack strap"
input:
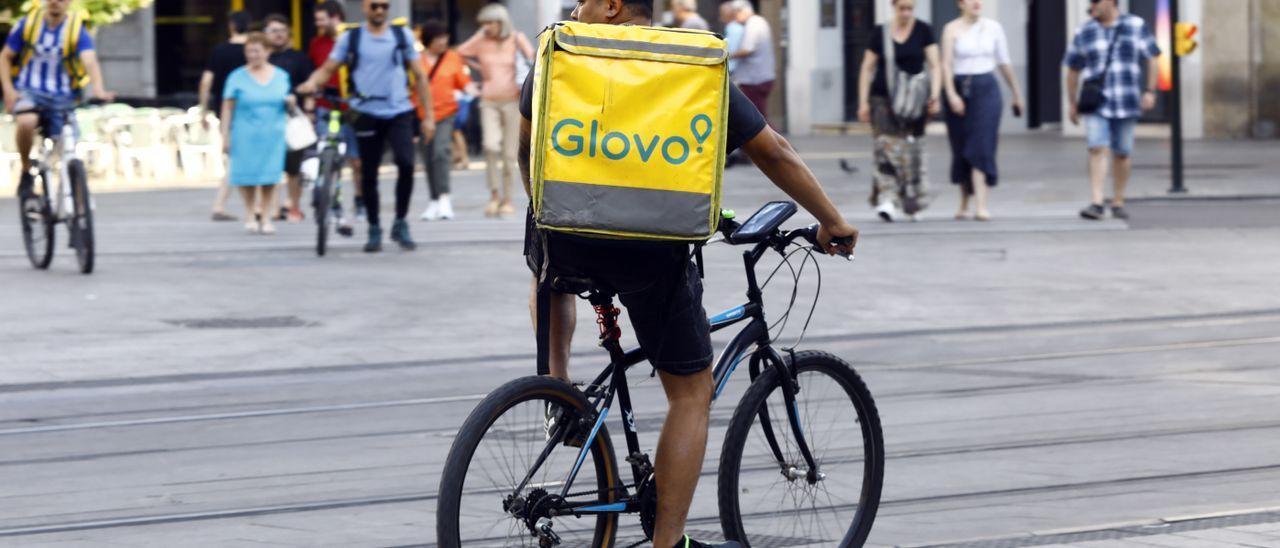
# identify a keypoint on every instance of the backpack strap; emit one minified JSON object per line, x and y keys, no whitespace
{"x":33,"y":27}
{"x":353,"y":58}
{"x":73,"y":27}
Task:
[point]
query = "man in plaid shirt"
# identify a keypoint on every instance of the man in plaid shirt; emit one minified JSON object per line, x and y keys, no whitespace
{"x":1112,"y":126}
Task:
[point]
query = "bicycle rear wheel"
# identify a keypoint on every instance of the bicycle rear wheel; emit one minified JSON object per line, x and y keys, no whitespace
{"x":322,"y":198}
{"x":494,"y":451}
{"x":37,"y":226}
{"x":80,"y":223}
{"x":764,"y":501}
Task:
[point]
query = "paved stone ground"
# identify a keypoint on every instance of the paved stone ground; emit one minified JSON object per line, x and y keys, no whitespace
{"x":1042,"y":380}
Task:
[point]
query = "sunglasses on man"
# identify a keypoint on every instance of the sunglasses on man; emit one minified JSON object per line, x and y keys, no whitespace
{"x":379,"y":6}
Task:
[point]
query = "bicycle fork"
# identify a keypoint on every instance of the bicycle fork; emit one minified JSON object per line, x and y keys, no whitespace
{"x":790,"y":387}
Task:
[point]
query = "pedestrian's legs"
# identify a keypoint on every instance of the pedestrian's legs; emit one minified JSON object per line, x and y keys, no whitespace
{"x":268,"y":196}
{"x":372,"y":141}
{"x":250,"y":195}
{"x":1120,"y":170}
{"x":491,"y":126}
{"x":461,"y":156}
{"x":1097,"y":173}
{"x":224,"y":193}
{"x":400,"y":136}
{"x":510,"y":152}
{"x":436,"y":157}
{"x":681,"y":447}
{"x":980,"y":195}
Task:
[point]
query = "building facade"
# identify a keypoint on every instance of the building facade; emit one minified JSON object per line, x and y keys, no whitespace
{"x":159,"y":52}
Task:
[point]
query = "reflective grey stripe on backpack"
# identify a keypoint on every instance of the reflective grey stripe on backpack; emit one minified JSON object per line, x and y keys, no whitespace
{"x":633,"y":45}
{"x":638,"y":210}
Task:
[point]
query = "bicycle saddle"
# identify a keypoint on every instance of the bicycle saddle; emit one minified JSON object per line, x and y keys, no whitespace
{"x":578,"y":285}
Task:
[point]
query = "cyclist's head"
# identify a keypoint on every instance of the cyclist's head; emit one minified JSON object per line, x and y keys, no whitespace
{"x":613,"y":12}
{"x":495,"y":20}
{"x":329,"y":16}
{"x":257,"y":48}
{"x":56,"y":8}
{"x":239,"y":21}
{"x":435,"y":36}
{"x":377,"y":11}
{"x":276,"y":27}
{"x":728,"y":12}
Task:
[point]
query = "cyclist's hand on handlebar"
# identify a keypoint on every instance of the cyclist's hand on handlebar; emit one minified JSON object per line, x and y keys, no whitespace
{"x":11,"y":99}
{"x":306,"y":88}
{"x":103,"y":95}
{"x":838,"y":239}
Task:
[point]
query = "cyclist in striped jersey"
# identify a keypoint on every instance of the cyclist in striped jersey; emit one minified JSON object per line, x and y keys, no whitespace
{"x":53,"y":52}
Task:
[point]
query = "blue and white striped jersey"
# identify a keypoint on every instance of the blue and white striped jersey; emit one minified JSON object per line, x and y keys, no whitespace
{"x":45,"y":73}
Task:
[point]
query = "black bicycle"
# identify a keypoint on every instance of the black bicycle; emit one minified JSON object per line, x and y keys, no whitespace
{"x":803,"y":457}
{"x":71,"y":204}
{"x":321,"y":172}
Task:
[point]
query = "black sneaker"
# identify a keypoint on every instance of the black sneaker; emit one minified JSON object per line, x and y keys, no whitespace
{"x":26,"y":184}
{"x":1094,"y":212}
{"x":1119,"y":212}
{"x":374,"y":244}
{"x":400,"y":235}
{"x":690,"y":543}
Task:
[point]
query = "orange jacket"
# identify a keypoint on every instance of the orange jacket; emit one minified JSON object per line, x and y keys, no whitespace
{"x":452,"y":76}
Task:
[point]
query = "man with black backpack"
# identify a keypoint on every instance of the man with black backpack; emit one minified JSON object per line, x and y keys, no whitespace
{"x":657,"y":282}
{"x":380,"y":57}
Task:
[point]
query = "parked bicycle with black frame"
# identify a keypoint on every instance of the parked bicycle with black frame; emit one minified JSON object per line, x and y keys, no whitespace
{"x":803,"y":456}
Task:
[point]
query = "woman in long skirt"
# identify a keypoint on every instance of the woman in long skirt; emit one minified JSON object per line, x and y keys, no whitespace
{"x":973,"y":49}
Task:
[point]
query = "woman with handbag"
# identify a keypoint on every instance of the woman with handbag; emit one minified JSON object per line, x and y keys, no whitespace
{"x":255,"y":102}
{"x":503,"y":56}
{"x":897,"y":102}
{"x":973,"y":48}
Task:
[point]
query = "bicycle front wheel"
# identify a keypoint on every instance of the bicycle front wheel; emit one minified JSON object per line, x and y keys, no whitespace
{"x":322,"y":198}
{"x":766,"y":493}
{"x":498,"y":446}
{"x":81,"y":221}
{"x":37,"y":227}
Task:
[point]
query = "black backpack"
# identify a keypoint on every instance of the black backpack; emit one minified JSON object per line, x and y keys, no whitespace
{"x":353,"y":57}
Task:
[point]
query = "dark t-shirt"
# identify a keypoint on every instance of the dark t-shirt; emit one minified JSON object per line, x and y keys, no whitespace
{"x":294,"y":62}
{"x":225,"y":58}
{"x":909,"y":55}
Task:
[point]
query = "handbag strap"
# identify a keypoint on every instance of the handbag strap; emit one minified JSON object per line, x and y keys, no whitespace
{"x":1111,"y":49}
{"x":436,"y":67}
{"x":890,"y":57}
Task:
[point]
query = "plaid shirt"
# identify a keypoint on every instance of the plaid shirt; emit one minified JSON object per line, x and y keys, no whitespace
{"x":1134,"y":45}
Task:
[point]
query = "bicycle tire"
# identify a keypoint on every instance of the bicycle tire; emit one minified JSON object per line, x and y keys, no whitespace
{"x":80,"y":224}
{"x":37,"y":228}
{"x":484,"y":416}
{"x":744,"y":418}
{"x":322,"y":197}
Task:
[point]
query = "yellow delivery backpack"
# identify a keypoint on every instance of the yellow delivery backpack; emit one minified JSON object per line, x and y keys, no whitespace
{"x":629,"y":131}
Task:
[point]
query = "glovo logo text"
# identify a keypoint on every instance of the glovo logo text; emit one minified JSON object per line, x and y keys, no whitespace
{"x":571,"y":137}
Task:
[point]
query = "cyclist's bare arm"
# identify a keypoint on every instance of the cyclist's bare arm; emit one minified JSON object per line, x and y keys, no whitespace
{"x":526,"y":139}
{"x":782,"y":164}
{"x":7,"y":57}
{"x":320,"y":76}
{"x":91,"y":65}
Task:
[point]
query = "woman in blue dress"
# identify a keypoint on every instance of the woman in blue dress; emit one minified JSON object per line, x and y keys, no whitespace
{"x":254,"y":114}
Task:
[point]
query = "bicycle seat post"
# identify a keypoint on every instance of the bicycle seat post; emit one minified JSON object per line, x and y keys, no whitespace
{"x":607,"y":318}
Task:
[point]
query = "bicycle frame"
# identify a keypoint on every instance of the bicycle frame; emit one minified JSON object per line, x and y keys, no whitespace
{"x":756,"y":333}
{"x":55,"y":154}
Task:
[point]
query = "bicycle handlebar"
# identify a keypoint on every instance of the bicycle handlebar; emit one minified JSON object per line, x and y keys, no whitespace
{"x":781,"y":239}
{"x":94,"y":102}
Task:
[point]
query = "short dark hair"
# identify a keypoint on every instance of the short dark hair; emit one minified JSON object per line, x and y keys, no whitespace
{"x":333,"y":8}
{"x":432,"y":29}
{"x":274,"y":18}
{"x":640,"y":8}
{"x":240,"y":21}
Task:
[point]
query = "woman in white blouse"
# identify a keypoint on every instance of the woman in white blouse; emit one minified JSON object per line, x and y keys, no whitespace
{"x":973,"y":48}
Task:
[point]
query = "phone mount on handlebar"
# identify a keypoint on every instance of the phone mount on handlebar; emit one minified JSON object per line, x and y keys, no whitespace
{"x":763,"y":223}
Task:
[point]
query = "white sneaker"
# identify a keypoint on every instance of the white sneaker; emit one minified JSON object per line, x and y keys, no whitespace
{"x":917,"y":217}
{"x":446,"y":207}
{"x":886,"y":211}
{"x":433,"y":211}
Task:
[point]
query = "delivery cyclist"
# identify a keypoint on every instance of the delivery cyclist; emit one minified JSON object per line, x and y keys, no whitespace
{"x":660,"y":286}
